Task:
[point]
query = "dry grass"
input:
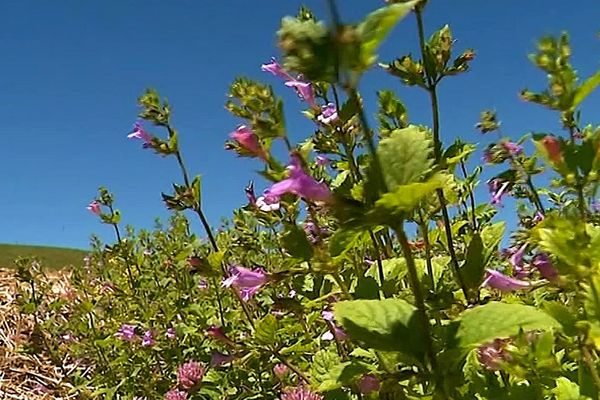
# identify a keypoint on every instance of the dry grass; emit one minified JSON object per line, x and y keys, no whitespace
{"x":29,"y":376}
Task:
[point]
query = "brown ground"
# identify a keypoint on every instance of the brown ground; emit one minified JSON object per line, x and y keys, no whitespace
{"x":28,"y":376}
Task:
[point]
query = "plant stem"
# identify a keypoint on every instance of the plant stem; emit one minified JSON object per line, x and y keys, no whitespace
{"x":437,"y":151}
{"x":425,"y":234}
{"x":415,"y":286}
{"x":471,"y":196}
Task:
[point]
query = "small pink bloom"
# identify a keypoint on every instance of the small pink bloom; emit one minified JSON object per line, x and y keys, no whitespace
{"x":493,"y":354}
{"x":171,"y":333}
{"x":190,"y":374}
{"x":176,"y":395}
{"x":250,"y":193}
{"x":552,"y":146}
{"x":218,"y":359}
{"x":217,"y":333}
{"x":512,"y":149}
{"x":322,"y":160}
{"x":497,"y":189}
{"x":328,"y":114}
{"x":335,"y":332}
{"x":497,"y":280}
{"x":247,"y":139}
{"x":148,"y":339}
{"x":247,"y":281}
{"x":516,"y":261}
{"x":139,"y":133}
{"x":299,"y":183}
{"x":304,"y":90}
{"x":544,"y":265}
{"x":276,"y":69}
{"x":299,"y":393}
{"x":368,"y":384}
{"x":203,"y":284}
{"x":280,"y":370}
{"x":94,"y":207}
{"x":126,"y":332}
{"x":266,"y":207}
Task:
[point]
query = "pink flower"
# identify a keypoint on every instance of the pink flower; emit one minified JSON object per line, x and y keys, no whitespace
{"x":497,"y":189}
{"x":217,"y":333}
{"x":328,"y":114}
{"x":516,"y":261}
{"x":126,"y":332}
{"x":322,"y":160}
{"x":176,"y":395}
{"x":247,"y":281}
{"x":544,"y":265}
{"x":148,"y":339}
{"x":493,"y":354}
{"x":553,"y":148}
{"x":139,"y":133}
{"x":498,"y":280}
{"x":512,"y":149}
{"x":299,"y":183}
{"x":250,"y":193}
{"x":304,"y":90}
{"x":190,"y":374}
{"x":262,"y":205}
{"x":203,"y":284}
{"x":280,"y":370}
{"x":276,"y":69}
{"x":94,"y":207}
{"x":171,"y":333}
{"x":247,"y":140}
{"x":218,"y":359}
{"x":368,"y":384}
{"x":299,"y":393}
{"x":335,"y":332}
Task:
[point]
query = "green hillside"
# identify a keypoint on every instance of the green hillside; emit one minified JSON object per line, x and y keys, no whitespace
{"x":51,"y":257}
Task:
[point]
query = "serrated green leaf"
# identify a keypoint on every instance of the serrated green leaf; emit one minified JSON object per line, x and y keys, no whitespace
{"x":485,"y":323}
{"x":405,"y":156}
{"x":376,"y":26}
{"x":296,"y":243}
{"x":266,"y":330}
{"x":473,"y":268}
{"x":389,"y":325}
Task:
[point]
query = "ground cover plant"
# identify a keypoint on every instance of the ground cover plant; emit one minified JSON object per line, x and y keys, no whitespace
{"x":365,"y":268}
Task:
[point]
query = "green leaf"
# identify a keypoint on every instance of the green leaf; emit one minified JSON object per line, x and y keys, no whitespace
{"x":485,"y":323}
{"x":266,"y":330}
{"x":404,"y":199}
{"x":491,"y":237}
{"x":376,"y":26}
{"x":389,"y":325}
{"x":563,"y":315}
{"x":344,"y":240}
{"x":196,"y":189}
{"x":405,"y":156}
{"x":566,"y":390}
{"x":366,"y":288}
{"x":586,"y":88}
{"x":296,"y":243}
{"x":474,"y":266}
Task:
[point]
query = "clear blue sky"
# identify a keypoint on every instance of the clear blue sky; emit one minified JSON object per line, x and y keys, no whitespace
{"x":71,"y":72}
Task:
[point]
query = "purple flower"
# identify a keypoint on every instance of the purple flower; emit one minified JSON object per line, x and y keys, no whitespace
{"x":335,"y":332}
{"x":516,"y":261}
{"x":69,"y":338}
{"x":139,"y":133}
{"x":203,"y":284}
{"x":94,"y":207}
{"x":299,"y":183}
{"x":218,"y":359}
{"x":247,"y":281}
{"x":148,"y":339}
{"x":511,"y":148}
{"x":368,"y":384}
{"x":176,"y":395}
{"x":276,"y":69}
{"x":538,"y":217}
{"x":263,"y":205}
{"x":171,"y":333}
{"x":280,"y":370}
{"x":498,"y":280}
{"x":497,"y":189}
{"x":493,"y":354}
{"x":190,"y":374}
{"x":304,"y":90}
{"x":299,"y":393}
{"x":250,"y":193}
{"x":126,"y":332}
{"x":544,"y":265}
{"x":247,"y":140}
{"x":328,"y":114}
{"x":322,"y":161}
{"x":216,"y":332}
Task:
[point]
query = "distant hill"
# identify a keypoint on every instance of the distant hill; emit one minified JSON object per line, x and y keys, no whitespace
{"x":51,"y":257}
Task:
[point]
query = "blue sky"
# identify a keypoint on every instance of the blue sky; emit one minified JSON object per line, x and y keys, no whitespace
{"x":72,"y":71}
